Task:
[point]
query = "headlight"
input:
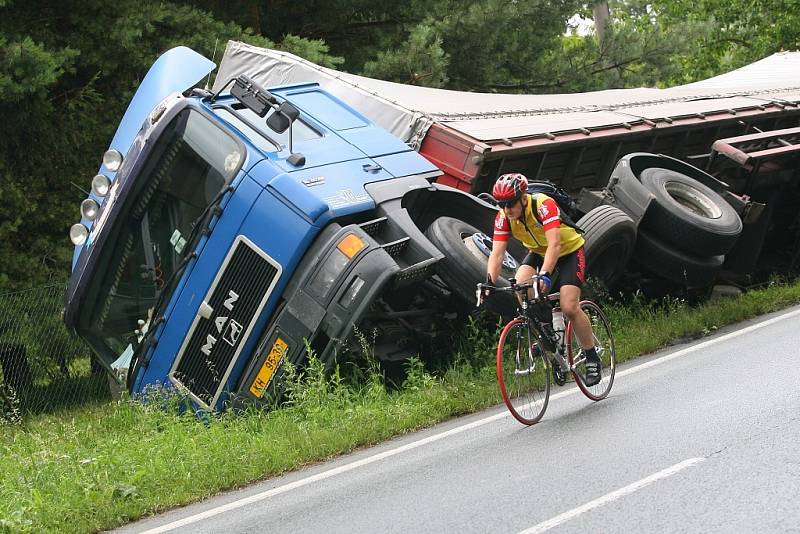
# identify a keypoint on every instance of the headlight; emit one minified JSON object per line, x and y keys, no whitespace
{"x":89,"y":209}
{"x":329,"y":272}
{"x":78,"y":234}
{"x":100,"y":185}
{"x":112,"y":159}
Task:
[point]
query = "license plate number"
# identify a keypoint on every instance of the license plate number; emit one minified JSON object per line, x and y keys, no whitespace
{"x":268,"y":369}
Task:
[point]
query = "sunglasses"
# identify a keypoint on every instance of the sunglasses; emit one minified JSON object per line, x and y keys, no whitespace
{"x":507,"y":203}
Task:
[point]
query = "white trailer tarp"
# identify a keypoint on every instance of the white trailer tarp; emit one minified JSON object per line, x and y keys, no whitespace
{"x":407,"y":111}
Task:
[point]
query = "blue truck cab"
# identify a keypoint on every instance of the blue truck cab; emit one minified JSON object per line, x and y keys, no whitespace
{"x":229,"y":233}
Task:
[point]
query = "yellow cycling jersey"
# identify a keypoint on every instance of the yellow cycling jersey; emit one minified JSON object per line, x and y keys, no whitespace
{"x":530,"y":228}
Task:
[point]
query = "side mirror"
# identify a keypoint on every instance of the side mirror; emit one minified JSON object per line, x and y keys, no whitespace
{"x":252,"y":95}
{"x":283,"y":117}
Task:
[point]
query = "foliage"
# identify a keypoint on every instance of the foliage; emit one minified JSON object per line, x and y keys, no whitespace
{"x":740,"y":32}
{"x":636,"y":51}
{"x":403,"y":64}
{"x":10,"y":411}
{"x":518,"y":45}
{"x":67,"y":72}
{"x":498,"y":45}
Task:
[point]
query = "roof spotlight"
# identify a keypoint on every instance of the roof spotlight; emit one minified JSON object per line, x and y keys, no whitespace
{"x":112,"y":159}
{"x":78,"y":234}
{"x":100,"y":185}
{"x":89,"y":209}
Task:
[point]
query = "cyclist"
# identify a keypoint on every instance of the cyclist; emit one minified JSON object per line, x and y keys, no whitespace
{"x":535,"y":220}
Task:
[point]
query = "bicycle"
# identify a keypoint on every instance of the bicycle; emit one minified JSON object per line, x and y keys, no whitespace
{"x":530,"y":350}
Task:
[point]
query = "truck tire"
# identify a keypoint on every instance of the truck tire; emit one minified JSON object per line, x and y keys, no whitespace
{"x":463,"y":267}
{"x":610,"y":237}
{"x":675,"y":265}
{"x":688,"y":214}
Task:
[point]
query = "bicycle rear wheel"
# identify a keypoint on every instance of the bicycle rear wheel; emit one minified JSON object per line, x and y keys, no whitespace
{"x":603,"y":342}
{"x":522,"y":373}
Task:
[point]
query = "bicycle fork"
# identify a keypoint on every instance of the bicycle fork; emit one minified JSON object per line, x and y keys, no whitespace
{"x":525,"y":361}
{"x":521,"y":369}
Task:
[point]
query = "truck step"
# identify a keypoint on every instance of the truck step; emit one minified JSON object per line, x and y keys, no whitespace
{"x":395,"y":248}
{"x":374,"y":226}
{"x":415,"y":272}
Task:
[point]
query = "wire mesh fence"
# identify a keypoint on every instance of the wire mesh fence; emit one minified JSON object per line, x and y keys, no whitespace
{"x":42,"y":366}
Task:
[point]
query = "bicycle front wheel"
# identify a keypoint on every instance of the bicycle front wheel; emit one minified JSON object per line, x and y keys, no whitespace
{"x":522,"y":373}
{"x":603,"y":342}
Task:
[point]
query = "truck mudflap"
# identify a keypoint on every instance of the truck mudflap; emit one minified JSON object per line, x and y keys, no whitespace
{"x":329,"y":294}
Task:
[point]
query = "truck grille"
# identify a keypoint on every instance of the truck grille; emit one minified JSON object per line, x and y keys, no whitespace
{"x":236,"y":298}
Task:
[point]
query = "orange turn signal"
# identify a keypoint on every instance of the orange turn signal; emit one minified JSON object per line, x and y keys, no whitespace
{"x":350,"y":245}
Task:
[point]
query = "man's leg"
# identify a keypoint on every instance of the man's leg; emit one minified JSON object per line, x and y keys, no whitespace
{"x":570,"y":297}
{"x":524,"y":274}
{"x":529,"y":267}
{"x":573,"y":269}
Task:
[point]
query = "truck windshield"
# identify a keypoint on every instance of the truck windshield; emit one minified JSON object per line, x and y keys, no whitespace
{"x":189,"y":164}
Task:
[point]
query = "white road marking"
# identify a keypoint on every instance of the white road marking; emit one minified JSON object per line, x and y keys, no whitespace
{"x":704,"y":344}
{"x":436,"y":437}
{"x":609,"y":497}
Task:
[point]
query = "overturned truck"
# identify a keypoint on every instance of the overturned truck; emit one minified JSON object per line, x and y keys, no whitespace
{"x":234,"y":230}
{"x":705,"y":171}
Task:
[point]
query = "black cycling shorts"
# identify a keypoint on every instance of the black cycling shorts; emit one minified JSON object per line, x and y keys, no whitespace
{"x":571,"y":269}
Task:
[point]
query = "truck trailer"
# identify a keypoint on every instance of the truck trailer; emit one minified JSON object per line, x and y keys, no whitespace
{"x":736,"y":134}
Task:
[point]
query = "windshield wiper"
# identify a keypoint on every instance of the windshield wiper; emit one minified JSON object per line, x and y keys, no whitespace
{"x":157,"y":316}
{"x":201,"y":222}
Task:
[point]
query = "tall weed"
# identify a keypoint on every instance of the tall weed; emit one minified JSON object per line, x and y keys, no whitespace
{"x":10,"y":412}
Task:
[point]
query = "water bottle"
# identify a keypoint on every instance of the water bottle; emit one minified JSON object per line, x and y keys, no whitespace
{"x":558,"y":327}
{"x":558,"y":324}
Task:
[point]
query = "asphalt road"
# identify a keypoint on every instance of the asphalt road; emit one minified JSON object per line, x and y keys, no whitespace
{"x":698,"y":438}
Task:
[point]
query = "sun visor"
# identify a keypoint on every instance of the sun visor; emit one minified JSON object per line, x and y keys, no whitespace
{"x":174,"y":71}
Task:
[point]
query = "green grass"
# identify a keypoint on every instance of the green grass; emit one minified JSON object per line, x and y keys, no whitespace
{"x":99,"y":466}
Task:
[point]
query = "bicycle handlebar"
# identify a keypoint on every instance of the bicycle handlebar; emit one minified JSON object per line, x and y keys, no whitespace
{"x":513,"y":287}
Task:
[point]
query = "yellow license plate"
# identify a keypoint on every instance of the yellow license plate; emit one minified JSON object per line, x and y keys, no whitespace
{"x":268,"y":369}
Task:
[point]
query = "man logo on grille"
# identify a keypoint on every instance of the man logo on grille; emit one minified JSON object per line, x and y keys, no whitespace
{"x":230,"y":329}
{"x":232,"y":333}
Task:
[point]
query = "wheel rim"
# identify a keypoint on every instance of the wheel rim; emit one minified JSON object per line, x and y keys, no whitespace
{"x":604,"y":341}
{"x":522,"y":374}
{"x":483,"y":244}
{"x":693,"y":200}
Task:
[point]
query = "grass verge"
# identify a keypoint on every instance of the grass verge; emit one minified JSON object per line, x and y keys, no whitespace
{"x":102,"y":465}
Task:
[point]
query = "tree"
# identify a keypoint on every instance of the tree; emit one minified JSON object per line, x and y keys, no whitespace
{"x":635,"y":50}
{"x":743,"y":31}
{"x":419,"y":61}
{"x":67,"y":72}
{"x":477,"y":45}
